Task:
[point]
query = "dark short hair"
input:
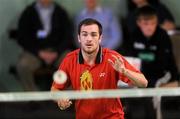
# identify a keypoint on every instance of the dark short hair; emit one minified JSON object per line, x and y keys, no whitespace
{"x":90,"y":21}
{"x":146,"y":12}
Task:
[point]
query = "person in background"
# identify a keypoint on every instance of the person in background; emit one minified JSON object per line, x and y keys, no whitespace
{"x":151,"y":43}
{"x":112,"y":34}
{"x":92,"y":67}
{"x":44,"y":33}
{"x":165,"y":17}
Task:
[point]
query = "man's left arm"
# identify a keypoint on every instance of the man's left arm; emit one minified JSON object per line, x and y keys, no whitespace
{"x":137,"y":78}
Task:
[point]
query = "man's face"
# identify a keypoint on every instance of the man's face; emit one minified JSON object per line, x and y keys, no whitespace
{"x":147,"y":26}
{"x":89,"y":38}
{"x":45,"y":2}
{"x":91,"y":4}
{"x":139,"y":2}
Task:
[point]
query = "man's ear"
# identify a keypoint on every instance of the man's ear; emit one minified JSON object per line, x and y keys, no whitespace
{"x":78,"y":38}
{"x":137,"y":22}
{"x":100,"y":38}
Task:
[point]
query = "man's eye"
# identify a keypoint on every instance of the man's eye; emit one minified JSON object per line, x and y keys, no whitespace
{"x":84,"y":34}
{"x":93,"y":35}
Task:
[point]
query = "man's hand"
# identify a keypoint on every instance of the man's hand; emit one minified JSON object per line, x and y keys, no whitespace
{"x":138,"y":79}
{"x":168,"y":25}
{"x":64,"y":103}
{"x":118,"y":64}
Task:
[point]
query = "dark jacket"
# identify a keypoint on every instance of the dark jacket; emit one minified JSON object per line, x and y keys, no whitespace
{"x":156,"y":55}
{"x":58,"y":39}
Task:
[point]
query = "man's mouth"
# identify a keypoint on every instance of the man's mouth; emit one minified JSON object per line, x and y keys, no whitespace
{"x":89,"y":45}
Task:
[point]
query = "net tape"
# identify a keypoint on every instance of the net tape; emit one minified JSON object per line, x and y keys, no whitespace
{"x":70,"y":94}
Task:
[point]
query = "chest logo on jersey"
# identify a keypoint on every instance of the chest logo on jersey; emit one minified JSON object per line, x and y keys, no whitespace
{"x":86,"y":81}
{"x":102,"y":74}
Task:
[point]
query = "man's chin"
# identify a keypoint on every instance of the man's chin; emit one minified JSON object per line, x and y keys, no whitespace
{"x":89,"y":51}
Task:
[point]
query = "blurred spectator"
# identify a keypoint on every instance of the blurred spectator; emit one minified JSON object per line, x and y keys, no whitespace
{"x":150,"y":43}
{"x":112,"y":33}
{"x":165,"y":18}
{"x":153,"y":46}
{"x":44,"y":33}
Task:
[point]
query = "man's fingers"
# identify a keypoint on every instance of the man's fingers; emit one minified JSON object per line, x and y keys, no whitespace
{"x":115,"y":57}
{"x":118,"y":58}
{"x":68,"y":103}
{"x":110,"y":61}
{"x":65,"y":103}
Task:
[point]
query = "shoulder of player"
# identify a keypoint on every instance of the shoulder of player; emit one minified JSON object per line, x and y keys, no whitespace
{"x":110,"y":52}
{"x":71,"y":55}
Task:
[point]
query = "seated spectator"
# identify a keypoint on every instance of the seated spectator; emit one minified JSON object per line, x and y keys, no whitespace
{"x":112,"y":33}
{"x":165,"y":18}
{"x":152,"y":45}
{"x":44,"y":33}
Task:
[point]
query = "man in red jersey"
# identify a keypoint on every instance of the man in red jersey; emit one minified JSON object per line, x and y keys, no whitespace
{"x":95,"y":68}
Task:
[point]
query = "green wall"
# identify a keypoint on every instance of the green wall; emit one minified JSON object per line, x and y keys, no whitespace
{"x":8,"y":16}
{"x":173,"y":6}
{"x":9,"y":10}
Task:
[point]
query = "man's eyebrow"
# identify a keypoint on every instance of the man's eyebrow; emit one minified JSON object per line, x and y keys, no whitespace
{"x":84,"y":31}
{"x":90,"y":32}
{"x":94,"y":32}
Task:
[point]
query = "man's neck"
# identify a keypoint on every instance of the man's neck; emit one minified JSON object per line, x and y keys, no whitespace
{"x":90,"y":58}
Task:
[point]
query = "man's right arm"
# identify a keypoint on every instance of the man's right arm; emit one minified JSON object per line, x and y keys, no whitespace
{"x":62,"y":103}
{"x":60,"y":82}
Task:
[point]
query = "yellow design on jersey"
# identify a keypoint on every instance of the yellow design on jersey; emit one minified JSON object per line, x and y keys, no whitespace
{"x":86,"y":81}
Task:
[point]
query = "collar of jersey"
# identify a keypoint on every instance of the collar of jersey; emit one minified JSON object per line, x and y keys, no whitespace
{"x":98,"y":58}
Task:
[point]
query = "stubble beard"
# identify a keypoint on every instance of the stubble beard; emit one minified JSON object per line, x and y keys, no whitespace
{"x":90,"y":52}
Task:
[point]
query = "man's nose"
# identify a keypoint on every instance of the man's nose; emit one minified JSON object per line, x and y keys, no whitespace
{"x":89,"y":38}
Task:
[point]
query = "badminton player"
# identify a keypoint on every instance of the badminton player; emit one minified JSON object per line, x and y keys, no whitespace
{"x":92,"y":67}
